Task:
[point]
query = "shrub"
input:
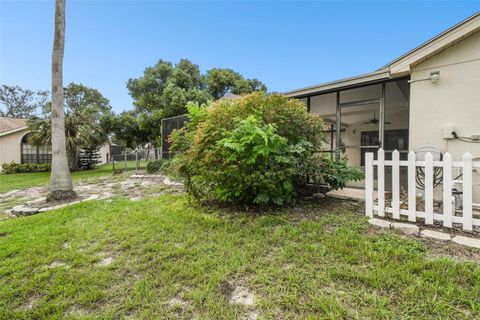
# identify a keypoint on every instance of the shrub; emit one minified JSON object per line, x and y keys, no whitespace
{"x":254,"y":145}
{"x":332,"y":172}
{"x":256,"y":149}
{"x":170,"y":168}
{"x":154,"y":165}
{"x":14,"y":167}
{"x":89,"y":158}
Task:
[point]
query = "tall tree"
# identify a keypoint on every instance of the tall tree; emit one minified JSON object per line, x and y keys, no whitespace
{"x":84,"y":108}
{"x":222,"y":81}
{"x":82,"y":132}
{"x":61,"y":186}
{"x":78,"y":96}
{"x":17,"y":102}
{"x":168,"y":88}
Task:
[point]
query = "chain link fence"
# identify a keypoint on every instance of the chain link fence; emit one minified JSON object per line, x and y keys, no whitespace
{"x":132,"y":161}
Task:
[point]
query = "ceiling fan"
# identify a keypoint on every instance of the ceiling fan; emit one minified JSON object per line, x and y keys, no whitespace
{"x":375,"y":120}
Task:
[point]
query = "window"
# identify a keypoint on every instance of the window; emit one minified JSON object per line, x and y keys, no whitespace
{"x":32,"y":154}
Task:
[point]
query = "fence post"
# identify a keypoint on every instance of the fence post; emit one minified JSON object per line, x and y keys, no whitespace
{"x":381,"y":182}
{"x":136,"y":161}
{"x":467,"y":192}
{"x":412,"y":188}
{"x":126,"y":163}
{"x":428,"y":188}
{"x":396,"y":184}
{"x":369,"y":184}
{"x":113,"y":164}
{"x":447,"y":190}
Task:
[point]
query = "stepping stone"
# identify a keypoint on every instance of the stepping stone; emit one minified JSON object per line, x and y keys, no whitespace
{"x":436,"y":235}
{"x":105,"y":261}
{"x":24,"y":211}
{"x":406,"y":228}
{"x":92,"y":197}
{"x":8,"y":194}
{"x":469,"y":242}
{"x":169,"y":182}
{"x":59,"y":206}
{"x":379,"y":223}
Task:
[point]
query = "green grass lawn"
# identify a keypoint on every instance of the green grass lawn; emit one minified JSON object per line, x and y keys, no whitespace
{"x":171,"y":260}
{"x":33,"y":179}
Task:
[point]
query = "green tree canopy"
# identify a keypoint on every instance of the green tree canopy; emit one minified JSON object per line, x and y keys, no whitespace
{"x":164,"y":90}
{"x":77,"y":96}
{"x":84,"y":109}
{"x":168,"y":88}
{"x":222,"y":81}
{"x":21,"y":103}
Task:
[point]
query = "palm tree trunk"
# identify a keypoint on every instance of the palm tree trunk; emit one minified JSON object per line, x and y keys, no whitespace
{"x":61,"y":187}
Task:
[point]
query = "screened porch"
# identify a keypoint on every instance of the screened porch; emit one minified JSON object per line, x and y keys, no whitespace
{"x":369,"y":115}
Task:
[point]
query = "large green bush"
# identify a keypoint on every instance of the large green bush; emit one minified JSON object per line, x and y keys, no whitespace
{"x":154,"y":166}
{"x":14,"y":167}
{"x":255,"y":149}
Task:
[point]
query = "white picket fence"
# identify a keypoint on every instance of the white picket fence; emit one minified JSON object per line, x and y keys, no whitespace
{"x":448,"y":216}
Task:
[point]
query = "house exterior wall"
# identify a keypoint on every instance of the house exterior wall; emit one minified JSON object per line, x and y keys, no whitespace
{"x":454,"y":101}
{"x":104,"y":153}
{"x":10,"y":147}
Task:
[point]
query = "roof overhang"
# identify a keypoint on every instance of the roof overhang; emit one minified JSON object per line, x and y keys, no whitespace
{"x":373,"y":77}
{"x":5,"y":133}
{"x":453,"y":35}
{"x":401,"y":66}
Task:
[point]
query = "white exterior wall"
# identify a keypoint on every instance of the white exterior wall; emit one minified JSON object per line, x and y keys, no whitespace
{"x":453,"y":101}
{"x":10,"y":147}
{"x":104,"y":153}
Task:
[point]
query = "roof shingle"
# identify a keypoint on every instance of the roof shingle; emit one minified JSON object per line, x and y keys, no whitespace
{"x":9,"y":124}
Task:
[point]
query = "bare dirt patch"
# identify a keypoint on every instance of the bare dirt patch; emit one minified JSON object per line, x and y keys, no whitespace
{"x":237,"y":294}
{"x":58,"y":264}
{"x":439,"y":249}
{"x":177,"y":301}
{"x":31,"y":302}
{"x":106,"y":261}
{"x":135,"y":187}
{"x":76,"y":311}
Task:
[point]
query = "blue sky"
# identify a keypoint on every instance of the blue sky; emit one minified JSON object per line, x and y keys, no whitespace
{"x":286,"y":45}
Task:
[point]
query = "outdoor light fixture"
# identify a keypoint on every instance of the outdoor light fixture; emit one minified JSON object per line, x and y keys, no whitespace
{"x":434,"y":77}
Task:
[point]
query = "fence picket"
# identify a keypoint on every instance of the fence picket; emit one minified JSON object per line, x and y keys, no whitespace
{"x":412,"y":188}
{"x":467,"y":192}
{"x":369,"y":184}
{"x":381,"y":182}
{"x":447,"y":164}
{"x":428,"y":188}
{"x":396,"y":184}
{"x":447,"y":190}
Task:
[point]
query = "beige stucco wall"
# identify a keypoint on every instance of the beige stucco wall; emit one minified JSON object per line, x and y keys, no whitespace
{"x":10,"y":147}
{"x":104,"y":153}
{"x":453,"y":101}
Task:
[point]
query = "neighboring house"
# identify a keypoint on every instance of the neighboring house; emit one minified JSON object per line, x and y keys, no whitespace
{"x":14,"y":144}
{"x":428,"y":96}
